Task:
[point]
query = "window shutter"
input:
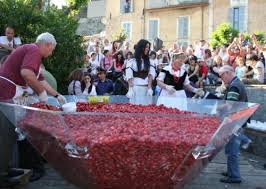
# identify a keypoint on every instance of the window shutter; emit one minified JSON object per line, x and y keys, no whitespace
{"x":242,"y":20}
{"x":231,"y":16}
{"x":153,"y":29}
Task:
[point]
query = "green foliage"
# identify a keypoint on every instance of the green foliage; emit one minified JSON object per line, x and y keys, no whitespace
{"x":120,"y":36}
{"x":76,"y":5}
{"x":30,"y":21}
{"x":224,"y":34}
{"x":259,"y":35}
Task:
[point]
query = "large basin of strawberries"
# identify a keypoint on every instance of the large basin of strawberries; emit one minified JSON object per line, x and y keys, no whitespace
{"x":122,"y":145}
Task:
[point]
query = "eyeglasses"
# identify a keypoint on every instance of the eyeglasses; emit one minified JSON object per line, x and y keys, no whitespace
{"x":222,"y":74}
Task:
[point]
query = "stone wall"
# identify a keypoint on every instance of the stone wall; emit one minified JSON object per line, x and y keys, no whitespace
{"x":90,"y":26}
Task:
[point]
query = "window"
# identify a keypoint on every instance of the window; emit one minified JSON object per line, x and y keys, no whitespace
{"x":127,"y":27}
{"x":183,"y":30}
{"x":153,"y":29}
{"x":126,"y":6}
{"x":238,"y":18}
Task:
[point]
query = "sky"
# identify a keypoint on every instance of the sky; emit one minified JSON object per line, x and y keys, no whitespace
{"x":58,"y":3}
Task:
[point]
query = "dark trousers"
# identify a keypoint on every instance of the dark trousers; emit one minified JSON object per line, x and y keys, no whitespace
{"x":7,"y":142}
{"x":29,"y":157}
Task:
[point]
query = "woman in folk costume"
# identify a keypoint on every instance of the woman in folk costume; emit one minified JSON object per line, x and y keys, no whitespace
{"x":139,"y":73}
{"x":173,"y":79}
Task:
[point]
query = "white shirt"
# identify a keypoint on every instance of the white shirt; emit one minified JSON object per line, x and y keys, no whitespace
{"x":92,"y":93}
{"x":99,"y":57}
{"x":240,"y":71}
{"x":94,"y":64}
{"x":154,"y":62}
{"x":257,"y":75}
{"x":4,"y":41}
{"x":76,"y":90}
{"x":179,"y":73}
{"x":132,"y":65}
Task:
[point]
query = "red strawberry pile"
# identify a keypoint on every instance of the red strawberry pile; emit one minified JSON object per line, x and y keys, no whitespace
{"x":45,"y":106}
{"x":136,"y":147}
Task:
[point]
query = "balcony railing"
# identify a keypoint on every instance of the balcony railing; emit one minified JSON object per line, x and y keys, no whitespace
{"x":152,"y":4}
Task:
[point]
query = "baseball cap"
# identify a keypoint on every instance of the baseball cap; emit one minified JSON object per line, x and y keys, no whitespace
{"x":225,"y":68}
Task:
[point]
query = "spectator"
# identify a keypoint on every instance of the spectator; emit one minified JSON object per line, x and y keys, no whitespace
{"x":87,"y":86}
{"x":121,"y":85}
{"x":254,"y":39}
{"x":91,"y":46}
{"x":175,"y":49}
{"x":258,"y":69}
{"x":93,"y":64}
{"x":166,"y":58}
{"x":193,"y":70}
{"x":234,"y":50}
{"x":118,"y":64}
{"x":126,"y":49}
{"x":107,"y":45}
{"x":153,"y":59}
{"x":129,"y":56}
{"x":224,"y":55}
{"x":160,"y":56}
{"x":241,"y":68}
{"x":127,"y":6}
{"x":208,"y":57}
{"x":115,"y":47}
{"x":104,"y":86}
{"x":215,"y":51}
{"x":75,"y":78}
{"x":190,"y":50}
{"x":213,"y":75}
{"x":99,"y":55}
{"x":8,"y":42}
{"x":107,"y":61}
{"x":203,"y":71}
{"x":200,"y":49}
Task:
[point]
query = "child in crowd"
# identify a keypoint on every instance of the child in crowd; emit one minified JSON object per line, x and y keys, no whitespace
{"x":241,"y":68}
{"x":104,"y":86}
{"x":94,"y":64}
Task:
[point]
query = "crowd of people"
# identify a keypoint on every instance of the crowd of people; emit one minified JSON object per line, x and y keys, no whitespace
{"x":143,"y":69}
{"x":111,"y":61}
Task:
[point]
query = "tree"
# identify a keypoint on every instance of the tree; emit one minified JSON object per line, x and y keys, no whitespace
{"x":29,"y":21}
{"x":223,"y":34}
{"x":75,"y":5}
{"x":259,"y":35}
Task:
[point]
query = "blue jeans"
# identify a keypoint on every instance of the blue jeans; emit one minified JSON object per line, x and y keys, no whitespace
{"x":232,"y":150}
{"x":243,"y":139}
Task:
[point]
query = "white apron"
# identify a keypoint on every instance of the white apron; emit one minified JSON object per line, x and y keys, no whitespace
{"x":140,"y":96}
{"x":177,"y":100}
{"x":22,"y":92}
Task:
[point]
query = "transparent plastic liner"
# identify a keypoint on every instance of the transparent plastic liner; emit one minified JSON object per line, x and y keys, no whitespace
{"x":56,"y":136}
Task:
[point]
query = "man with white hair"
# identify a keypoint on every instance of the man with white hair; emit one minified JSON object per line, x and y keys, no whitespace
{"x":19,"y":75}
{"x":22,"y":70}
{"x":235,"y":92}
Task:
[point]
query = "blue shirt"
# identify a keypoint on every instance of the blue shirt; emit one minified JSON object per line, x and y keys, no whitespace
{"x":104,"y":87}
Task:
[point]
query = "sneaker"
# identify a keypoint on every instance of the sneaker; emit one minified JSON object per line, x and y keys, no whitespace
{"x":230,"y":180}
{"x":225,"y":174}
{"x":246,"y":145}
{"x":36,"y":175}
{"x":15,"y":172}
